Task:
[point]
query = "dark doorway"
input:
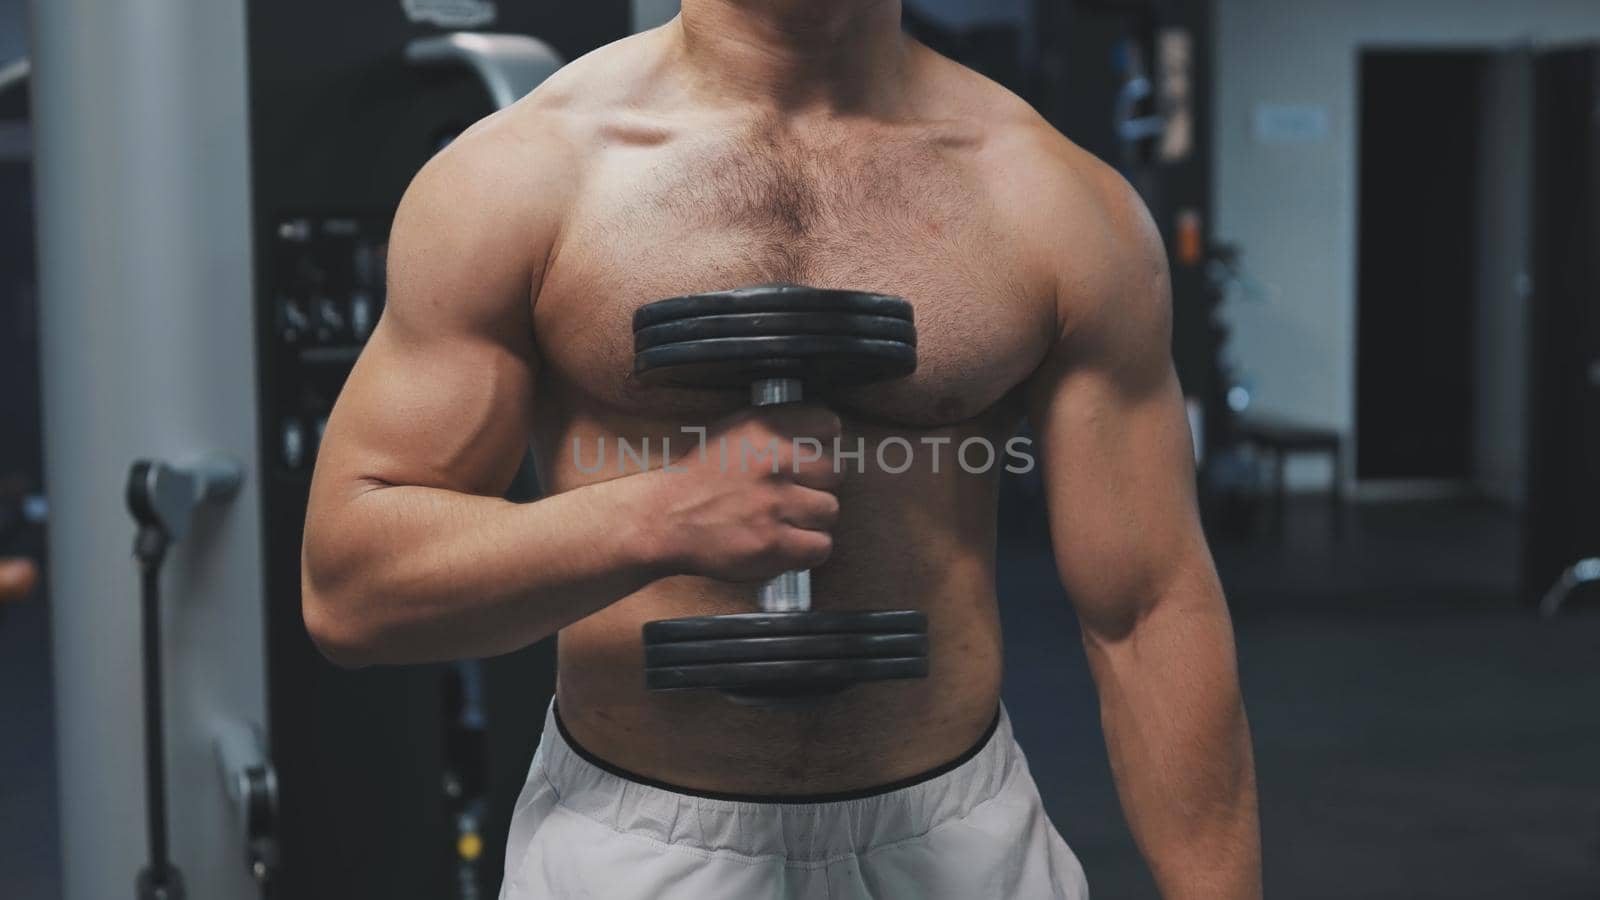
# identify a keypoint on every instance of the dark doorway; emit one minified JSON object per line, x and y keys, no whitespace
{"x":1418,"y":227}
{"x":1564,"y":401}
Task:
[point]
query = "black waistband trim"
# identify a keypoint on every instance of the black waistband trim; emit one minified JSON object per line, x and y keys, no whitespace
{"x":836,"y":797}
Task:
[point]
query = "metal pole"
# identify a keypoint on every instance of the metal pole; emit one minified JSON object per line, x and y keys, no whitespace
{"x":791,"y":591}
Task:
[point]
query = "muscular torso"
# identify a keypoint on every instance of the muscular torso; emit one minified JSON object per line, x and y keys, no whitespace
{"x":699,"y":200}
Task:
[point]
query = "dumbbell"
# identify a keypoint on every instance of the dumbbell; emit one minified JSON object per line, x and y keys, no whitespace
{"x":779,"y":339}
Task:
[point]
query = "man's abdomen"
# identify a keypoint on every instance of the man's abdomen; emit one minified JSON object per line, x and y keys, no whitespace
{"x":868,"y":735}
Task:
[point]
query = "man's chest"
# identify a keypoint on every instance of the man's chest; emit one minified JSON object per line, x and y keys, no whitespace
{"x":901,"y":223}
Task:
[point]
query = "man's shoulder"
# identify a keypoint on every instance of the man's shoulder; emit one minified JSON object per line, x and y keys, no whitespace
{"x":495,"y":197}
{"x":597,"y":83}
{"x":1033,"y":170}
{"x":1081,"y":222}
{"x":542,"y":137}
{"x":1049,"y":176}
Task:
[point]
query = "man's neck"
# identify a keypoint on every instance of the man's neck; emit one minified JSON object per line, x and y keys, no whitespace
{"x":842,"y":55}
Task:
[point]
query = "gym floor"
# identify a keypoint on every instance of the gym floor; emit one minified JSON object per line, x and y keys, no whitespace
{"x":1418,"y":734}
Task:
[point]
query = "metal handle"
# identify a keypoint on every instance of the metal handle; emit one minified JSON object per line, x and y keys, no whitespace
{"x":509,"y":65}
{"x":167,"y":495}
{"x":163,"y":498}
{"x":791,"y":591}
{"x":252,"y":787}
{"x":15,"y":74}
{"x":1584,"y":571}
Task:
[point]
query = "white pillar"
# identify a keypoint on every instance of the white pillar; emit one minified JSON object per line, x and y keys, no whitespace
{"x":143,"y":181}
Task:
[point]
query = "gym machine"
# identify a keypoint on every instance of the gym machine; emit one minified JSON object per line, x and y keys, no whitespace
{"x":469,"y":728}
{"x":212,"y":250}
{"x":164,"y":500}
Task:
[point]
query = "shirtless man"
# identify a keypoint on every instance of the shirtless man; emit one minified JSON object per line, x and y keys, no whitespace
{"x":808,"y":141}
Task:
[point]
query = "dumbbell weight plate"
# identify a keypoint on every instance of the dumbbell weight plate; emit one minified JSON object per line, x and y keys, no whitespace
{"x":774,"y":324}
{"x":776,"y":624}
{"x":731,"y":338}
{"x":799,"y":647}
{"x":763,"y":656}
{"x":786,"y":677}
{"x":735,"y":362}
{"x":785,"y":298}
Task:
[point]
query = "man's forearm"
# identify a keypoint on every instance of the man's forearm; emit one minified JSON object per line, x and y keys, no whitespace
{"x":401,"y":574}
{"x":1179,"y":746}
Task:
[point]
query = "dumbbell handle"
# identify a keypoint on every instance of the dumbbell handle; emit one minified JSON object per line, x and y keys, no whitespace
{"x":791,"y":591}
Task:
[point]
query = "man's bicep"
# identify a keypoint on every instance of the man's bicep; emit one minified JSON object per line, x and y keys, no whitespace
{"x":1118,"y":471}
{"x":442,"y":394}
{"x":1118,"y":460}
{"x":452,"y":412}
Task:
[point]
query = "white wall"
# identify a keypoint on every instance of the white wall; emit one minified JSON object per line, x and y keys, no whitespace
{"x":1292,"y":206}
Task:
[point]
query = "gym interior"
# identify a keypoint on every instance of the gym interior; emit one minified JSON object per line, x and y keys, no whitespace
{"x":1383,"y":228}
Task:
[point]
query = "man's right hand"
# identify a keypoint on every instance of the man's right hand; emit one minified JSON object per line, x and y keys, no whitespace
{"x":755,"y":501}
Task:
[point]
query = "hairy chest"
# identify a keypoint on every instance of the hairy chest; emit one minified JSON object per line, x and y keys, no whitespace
{"x":907,"y":220}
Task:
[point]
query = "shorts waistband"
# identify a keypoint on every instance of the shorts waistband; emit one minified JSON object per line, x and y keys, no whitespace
{"x":857,"y":794}
{"x":809,"y":829}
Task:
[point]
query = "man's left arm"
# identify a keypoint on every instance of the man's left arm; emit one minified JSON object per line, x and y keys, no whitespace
{"x":1118,"y":467}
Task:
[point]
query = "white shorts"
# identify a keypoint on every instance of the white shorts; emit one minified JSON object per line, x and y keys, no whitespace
{"x":972,"y":831}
